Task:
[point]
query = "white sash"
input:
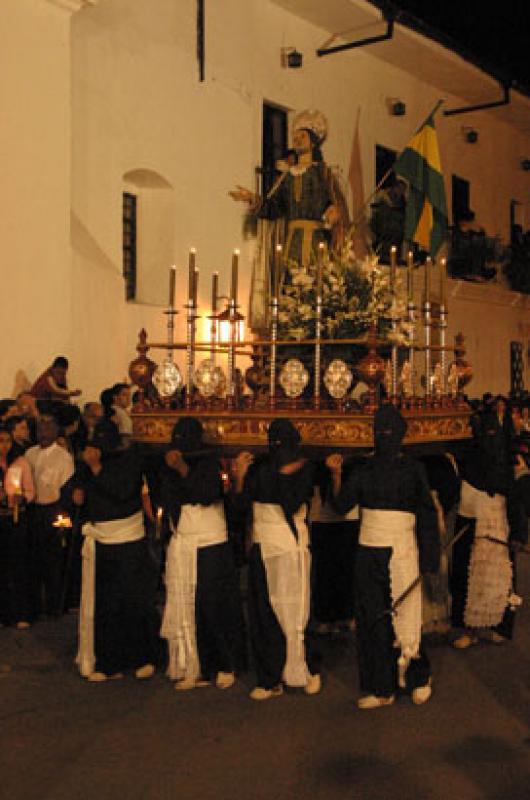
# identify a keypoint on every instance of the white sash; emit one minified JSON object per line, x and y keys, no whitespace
{"x":395,"y":529}
{"x":469,"y":499}
{"x":490,"y":568}
{"x":116,"y":531}
{"x":287,"y":567}
{"x":198,"y":526}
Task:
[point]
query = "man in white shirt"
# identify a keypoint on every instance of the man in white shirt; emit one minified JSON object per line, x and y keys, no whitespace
{"x":121,"y":394}
{"x":52,"y":466}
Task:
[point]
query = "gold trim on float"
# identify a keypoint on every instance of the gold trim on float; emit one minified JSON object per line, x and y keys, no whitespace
{"x":318,"y":429}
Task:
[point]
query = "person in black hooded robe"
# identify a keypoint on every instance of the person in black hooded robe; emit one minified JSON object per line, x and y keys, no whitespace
{"x":482,"y":574}
{"x":333,"y":550}
{"x":276,"y":488}
{"x":203,"y":620}
{"x":118,"y":625}
{"x":398,"y":538}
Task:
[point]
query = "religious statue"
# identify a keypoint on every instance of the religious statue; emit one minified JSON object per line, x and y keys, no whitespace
{"x":305,"y":200}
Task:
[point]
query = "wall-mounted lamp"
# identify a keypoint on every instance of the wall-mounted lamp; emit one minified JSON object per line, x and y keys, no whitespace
{"x":291,"y":58}
{"x":470,"y":135}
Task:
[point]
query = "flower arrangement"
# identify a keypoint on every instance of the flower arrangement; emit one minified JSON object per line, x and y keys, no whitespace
{"x":355,"y":294}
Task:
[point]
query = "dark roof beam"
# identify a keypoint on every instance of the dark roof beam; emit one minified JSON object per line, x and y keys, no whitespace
{"x":451,"y":112}
{"x":326,"y":51}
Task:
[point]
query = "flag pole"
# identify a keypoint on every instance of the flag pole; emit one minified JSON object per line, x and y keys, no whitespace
{"x":362,"y":210}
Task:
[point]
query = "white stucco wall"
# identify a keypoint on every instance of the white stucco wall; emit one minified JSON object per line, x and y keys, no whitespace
{"x":35,"y":179}
{"x":136,"y":103}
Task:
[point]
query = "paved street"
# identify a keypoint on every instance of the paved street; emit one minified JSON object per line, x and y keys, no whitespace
{"x":65,"y":739}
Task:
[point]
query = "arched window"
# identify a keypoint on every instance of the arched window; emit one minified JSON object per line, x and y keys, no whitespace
{"x":148,"y":235}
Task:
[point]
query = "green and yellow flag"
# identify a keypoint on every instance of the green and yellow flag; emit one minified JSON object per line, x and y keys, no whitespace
{"x":419,"y":164}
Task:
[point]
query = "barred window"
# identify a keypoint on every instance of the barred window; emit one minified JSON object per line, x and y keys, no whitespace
{"x":129,"y":244}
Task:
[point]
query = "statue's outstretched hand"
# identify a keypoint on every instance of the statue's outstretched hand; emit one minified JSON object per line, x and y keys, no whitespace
{"x":243,"y":195}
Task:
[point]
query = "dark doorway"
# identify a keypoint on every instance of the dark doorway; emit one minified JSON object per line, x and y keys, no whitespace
{"x":274,"y":144}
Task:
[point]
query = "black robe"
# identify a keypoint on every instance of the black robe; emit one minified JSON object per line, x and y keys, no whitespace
{"x":265,"y":484}
{"x":125,"y":618}
{"x":396,"y":483}
{"x":333,"y":551}
{"x":219,"y":624}
{"x":14,"y":565}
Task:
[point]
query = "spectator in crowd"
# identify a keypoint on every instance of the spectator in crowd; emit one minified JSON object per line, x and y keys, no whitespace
{"x":8,"y":407}
{"x":469,"y":250}
{"x":388,"y":219}
{"x":52,"y":466}
{"x":19,"y":429}
{"x":121,"y":396}
{"x":27,"y":408}
{"x":16,"y":490}
{"x":91,"y":415}
{"x":52,"y":384}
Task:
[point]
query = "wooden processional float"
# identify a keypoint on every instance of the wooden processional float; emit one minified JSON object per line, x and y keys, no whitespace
{"x":424,"y":378}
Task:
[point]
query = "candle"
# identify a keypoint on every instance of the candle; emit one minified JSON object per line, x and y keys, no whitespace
{"x":62,"y":521}
{"x":158,"y":522}
{"x":277,"y":268}
{"x":195,"y":287}
{"x":191,"y":272}
{"x":410,"y":276}
{"x":443,"y":277}
{"x":235,"y":264}
{"x":393,"y":262}
{"x":215,"y":291}
{"x":320,"y":267}
{"x":172,"y":276}
{"x":428,"y":265}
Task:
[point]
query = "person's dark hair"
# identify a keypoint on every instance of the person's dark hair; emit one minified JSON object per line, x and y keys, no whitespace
{"x":106,"y":399}
{"x":390,"y":423}
{"x":13,"y":452}
{"x":118,"y":387}
{"x":45,"y":407}
{"x":187,"y":435}
{"x":106,"y":437}
{"x":282,"y":433}
{"x":5,"y":405}
{"x":67,"y":415}
{"x":60,"y":361}
{"x":12,"y":422}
